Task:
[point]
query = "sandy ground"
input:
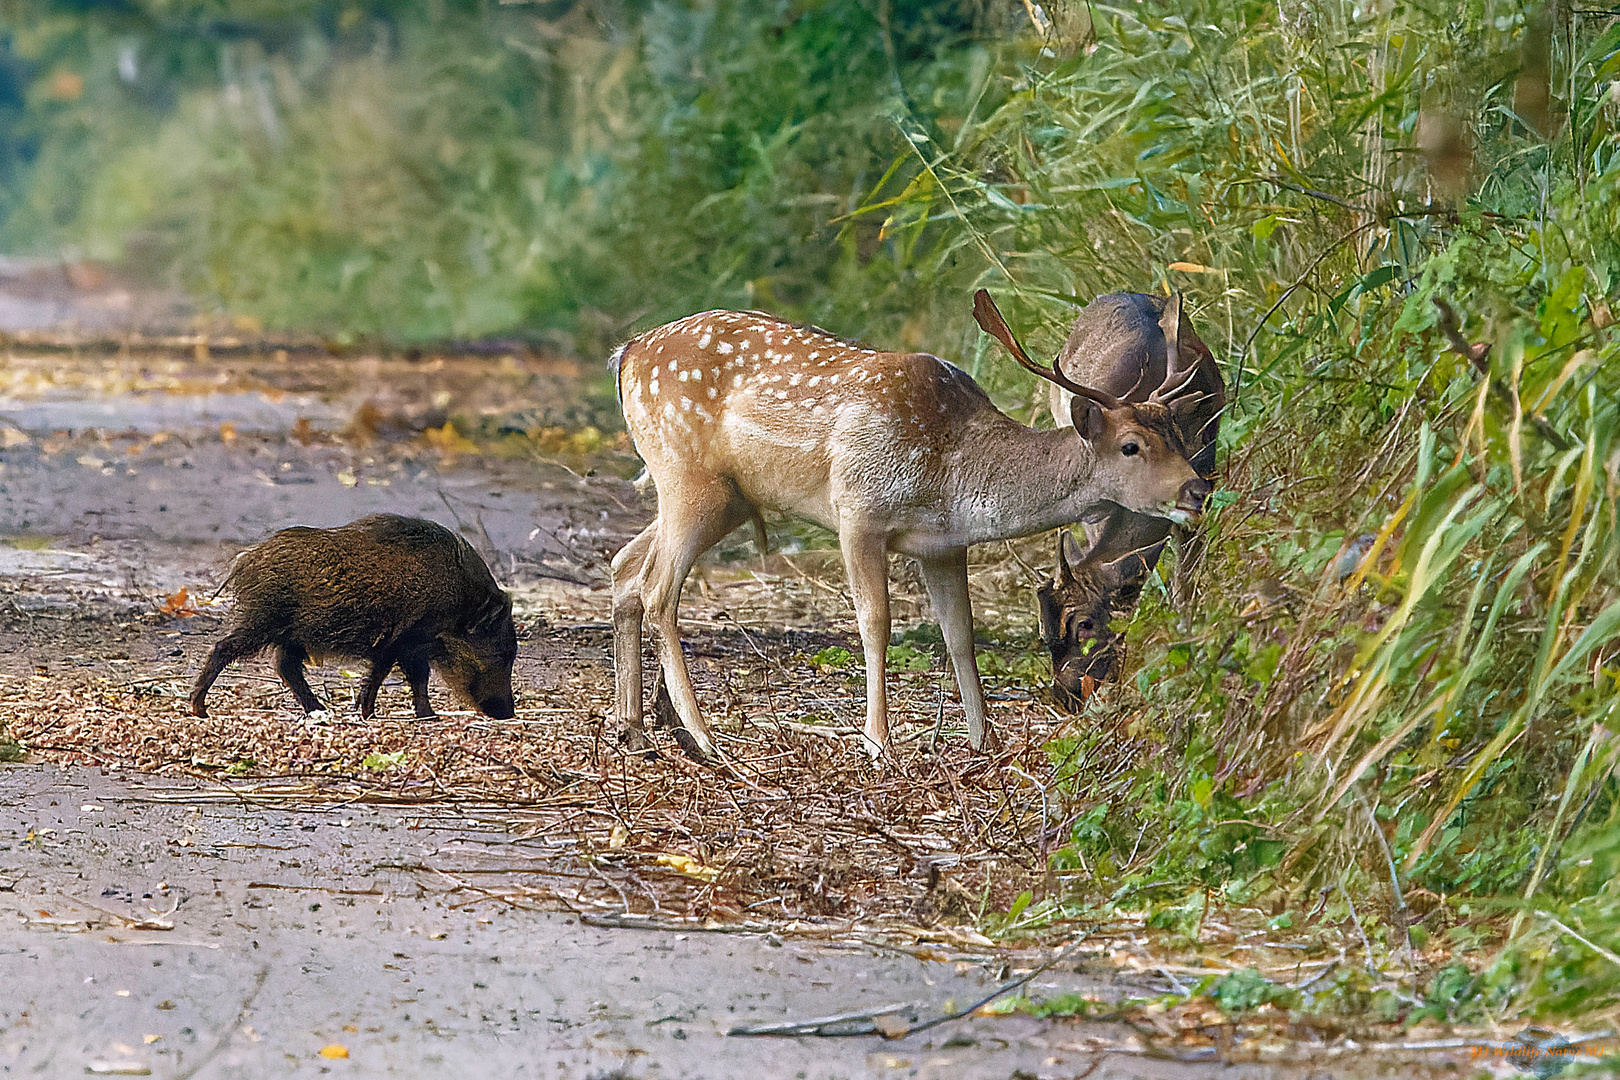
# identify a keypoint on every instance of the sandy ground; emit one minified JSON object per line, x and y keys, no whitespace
{"x":190,"y":925}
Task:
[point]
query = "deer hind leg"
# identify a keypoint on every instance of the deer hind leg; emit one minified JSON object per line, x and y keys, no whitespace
{"x":628,"y":609}
{"x":685,"y":531}
{"x":867,"y":564}
{"x":946,"y":580}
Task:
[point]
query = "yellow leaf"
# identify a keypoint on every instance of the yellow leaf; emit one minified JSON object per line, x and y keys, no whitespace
{"x":447,"y":440}
{"x":334,"y":1050}
{"x":1194,"y":268}
{"x":685,"y":864}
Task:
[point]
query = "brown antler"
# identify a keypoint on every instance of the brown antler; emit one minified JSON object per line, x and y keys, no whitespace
{"x":990,"y":321}
{"x":1175,"y":379}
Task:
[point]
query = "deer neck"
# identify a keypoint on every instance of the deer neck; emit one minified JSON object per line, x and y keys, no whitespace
{"x":1013,"y":480}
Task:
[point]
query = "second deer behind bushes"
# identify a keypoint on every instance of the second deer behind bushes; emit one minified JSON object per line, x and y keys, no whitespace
{"x":1144,"y":350}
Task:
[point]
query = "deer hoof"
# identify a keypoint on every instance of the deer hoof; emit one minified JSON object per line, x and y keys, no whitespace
{"x":634,"y":740}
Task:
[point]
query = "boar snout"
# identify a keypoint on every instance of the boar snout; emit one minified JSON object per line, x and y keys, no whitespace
{"x":498,"y":708}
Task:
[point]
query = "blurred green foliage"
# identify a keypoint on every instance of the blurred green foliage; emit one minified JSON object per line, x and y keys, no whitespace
{"x":412,"y":170}
{"x":1401,"y":678}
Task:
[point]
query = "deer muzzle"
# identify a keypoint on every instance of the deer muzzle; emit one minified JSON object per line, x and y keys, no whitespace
{"x":1190,"y":501}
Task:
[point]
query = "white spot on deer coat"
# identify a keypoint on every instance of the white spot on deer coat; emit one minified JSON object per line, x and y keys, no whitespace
{"x":703,"y":342}
{"x":723,"y":347}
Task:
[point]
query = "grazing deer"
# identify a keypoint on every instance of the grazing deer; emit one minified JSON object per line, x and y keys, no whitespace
{"x":1144,"y":349}
{"x":737,"y":411}
{"x":1075,"y":608}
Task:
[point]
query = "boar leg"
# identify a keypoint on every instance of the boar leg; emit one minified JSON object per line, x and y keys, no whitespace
{"x":381,"y":665}
{"x":290,"y":666}
{"x":230,"y":649}
{"x":415,"y":668}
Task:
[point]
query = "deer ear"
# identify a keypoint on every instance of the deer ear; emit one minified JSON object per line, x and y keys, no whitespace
{"x":1069,"y":556}
{"x":1088,"y":418}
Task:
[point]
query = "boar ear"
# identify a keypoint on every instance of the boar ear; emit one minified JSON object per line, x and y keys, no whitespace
{"x":491,"y":613}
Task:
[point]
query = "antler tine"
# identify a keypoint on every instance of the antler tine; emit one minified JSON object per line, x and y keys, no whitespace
{"x":1175,"y":378}
{"x":1170,"y":323}
{"x":988,"y":316}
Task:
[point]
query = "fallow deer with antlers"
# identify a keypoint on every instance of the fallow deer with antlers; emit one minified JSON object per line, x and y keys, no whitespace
{"x":1144,"y":349}
{"x":738,"y":411}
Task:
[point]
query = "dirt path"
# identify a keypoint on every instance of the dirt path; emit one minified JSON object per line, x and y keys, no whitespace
{"x":163,"y":928}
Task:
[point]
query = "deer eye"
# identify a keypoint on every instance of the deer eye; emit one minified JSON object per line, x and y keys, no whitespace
{"x":1087,"y":624}
{"x":1130,"y":449}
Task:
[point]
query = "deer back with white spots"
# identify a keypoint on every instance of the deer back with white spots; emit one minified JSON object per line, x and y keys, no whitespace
{"x":735,"y":412}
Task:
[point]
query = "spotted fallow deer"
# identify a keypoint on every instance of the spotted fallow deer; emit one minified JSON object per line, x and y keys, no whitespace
{"x":737,"y":411}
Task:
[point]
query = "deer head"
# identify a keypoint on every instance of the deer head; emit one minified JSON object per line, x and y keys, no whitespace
{"x":737,"y":411}
{"x":1076,"y":606}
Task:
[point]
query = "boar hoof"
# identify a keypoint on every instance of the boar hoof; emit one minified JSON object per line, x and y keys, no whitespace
{"x":689,"y":745}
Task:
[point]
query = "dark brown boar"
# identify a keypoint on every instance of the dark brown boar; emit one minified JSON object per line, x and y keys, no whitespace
{"x":386,"y":588}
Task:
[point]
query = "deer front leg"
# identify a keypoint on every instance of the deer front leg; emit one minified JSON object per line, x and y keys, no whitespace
{"x":627,"y":615}
{"x":945,"y":577}
{"x":867,"y":564}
